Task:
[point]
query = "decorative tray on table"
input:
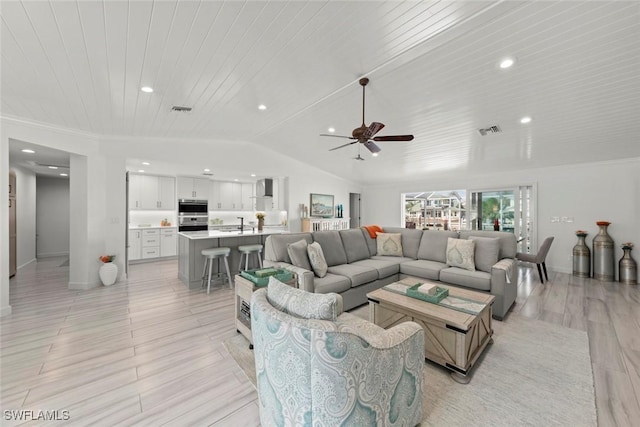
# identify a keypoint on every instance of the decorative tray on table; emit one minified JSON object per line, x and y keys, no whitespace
{"x":260,"y":276}
{"x":441,"y":293}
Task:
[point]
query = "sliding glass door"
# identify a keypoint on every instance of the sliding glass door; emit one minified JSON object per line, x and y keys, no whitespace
{"x":509,"y":209}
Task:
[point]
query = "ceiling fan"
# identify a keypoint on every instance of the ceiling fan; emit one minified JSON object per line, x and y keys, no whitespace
{"x":365,"y":134}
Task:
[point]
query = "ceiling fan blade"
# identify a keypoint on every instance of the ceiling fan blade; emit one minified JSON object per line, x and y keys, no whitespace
{"x":344,"y":145}
{"x":394,"y":138}
{"x":371,"y":146}
{"x":336,"y":136}
{"x":373,"y":128}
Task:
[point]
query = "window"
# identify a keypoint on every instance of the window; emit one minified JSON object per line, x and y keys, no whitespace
{"x":508,"y":209}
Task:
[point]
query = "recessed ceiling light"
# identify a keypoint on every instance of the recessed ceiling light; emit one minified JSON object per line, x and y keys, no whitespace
{"x":64,"y":174}
{"x":141,"y":170}
{"x":506,"y":63}
{"x":26,"y":150}
{"x":253,"y":175}
{"x":374,"y":154}
{"x":207,"y":170}
{"x":262,"y":107}
{"x":146,"y":163}
{"x":525,"y":120}
{"x":53,"y":167}
{"x":332,"y":130}
{"x":236,"y":179}
{"x":146,"y":89}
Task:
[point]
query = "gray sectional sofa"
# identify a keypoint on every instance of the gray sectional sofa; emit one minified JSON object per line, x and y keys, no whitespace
{"x":355,"y":268}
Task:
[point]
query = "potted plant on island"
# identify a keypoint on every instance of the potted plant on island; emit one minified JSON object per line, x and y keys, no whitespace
{"x":108,"y":270}
{"x":260,"y":216}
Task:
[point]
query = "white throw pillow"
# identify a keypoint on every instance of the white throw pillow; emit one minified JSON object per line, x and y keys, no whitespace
{"x":389,"y":244}
{"x":460,"y":253}
{"x":316,"y":258}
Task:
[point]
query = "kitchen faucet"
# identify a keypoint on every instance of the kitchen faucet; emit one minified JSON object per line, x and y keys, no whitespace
{"x":241,"y":228}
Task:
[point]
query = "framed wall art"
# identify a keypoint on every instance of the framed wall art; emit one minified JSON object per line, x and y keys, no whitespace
{"x":321,"y":205}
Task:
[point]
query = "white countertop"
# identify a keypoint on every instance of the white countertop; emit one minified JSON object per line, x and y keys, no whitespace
{"x":215,"y":234}
{"x":149,"y":227}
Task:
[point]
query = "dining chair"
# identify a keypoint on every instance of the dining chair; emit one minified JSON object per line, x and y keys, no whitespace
{"x":539,"y":258}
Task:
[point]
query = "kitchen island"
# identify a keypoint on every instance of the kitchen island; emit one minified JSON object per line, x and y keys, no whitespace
{"x":191,"y":244}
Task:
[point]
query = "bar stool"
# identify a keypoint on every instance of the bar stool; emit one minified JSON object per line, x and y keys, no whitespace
{"x":210,"y":255}
{"x":246,"y":250}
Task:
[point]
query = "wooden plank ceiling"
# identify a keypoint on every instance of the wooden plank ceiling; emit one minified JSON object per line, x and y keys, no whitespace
{"x":433,"y":70}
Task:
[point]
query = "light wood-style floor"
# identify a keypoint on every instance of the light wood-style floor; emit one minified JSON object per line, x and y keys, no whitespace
{"x":149,"y":352}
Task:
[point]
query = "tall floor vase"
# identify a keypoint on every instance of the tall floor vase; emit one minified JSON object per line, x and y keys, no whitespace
{"x":627,"y":267}
{"x":603,"y":261}
{"x":581,"y":257}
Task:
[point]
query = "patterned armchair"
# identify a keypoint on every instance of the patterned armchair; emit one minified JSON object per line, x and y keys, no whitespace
{"x":318,"y":366}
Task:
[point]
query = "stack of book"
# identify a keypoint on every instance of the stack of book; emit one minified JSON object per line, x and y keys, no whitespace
{"x":245,"y":311}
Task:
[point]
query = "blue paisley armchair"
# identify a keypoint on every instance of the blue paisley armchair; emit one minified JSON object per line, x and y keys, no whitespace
{"x":318,"y":366}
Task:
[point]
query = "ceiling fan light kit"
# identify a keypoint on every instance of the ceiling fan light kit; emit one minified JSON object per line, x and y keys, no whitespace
{"x":366,"y":134}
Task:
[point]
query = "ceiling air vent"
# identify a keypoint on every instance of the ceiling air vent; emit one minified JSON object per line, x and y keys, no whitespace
{"x":180,"y":109}
{"x":490,"y":129}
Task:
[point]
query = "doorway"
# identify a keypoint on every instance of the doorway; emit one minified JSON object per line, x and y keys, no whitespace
{"x":354,"y":210}
{"x":509,"y":209}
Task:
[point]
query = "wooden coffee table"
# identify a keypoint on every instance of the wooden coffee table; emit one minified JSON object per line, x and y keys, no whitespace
{"x":454,"y":339}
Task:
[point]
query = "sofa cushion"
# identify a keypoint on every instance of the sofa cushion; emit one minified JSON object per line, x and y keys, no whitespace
{"x":423,"y":268}
{"x":460,"y":253}
{"x":331,"y":283}
{"x":276,"y":245}
{"x":470,"y":279}
{"x":410,"y":240}
{"x":389,"y":244}
{"x":433,"y":245}
{"x":372,"y":243}
{"x":486,"y":252}
{"x":298,"y":253}
{"x":354,"y":244}
{"x":357,"y":274}
{"x":316,"y":259}
{"x":385,"y":268}
{"x":303,"y":304}
{"x":331,"y":246}
{"x":508,"y":243}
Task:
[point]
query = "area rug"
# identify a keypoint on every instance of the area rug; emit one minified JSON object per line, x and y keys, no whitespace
{"x":535,"y":373}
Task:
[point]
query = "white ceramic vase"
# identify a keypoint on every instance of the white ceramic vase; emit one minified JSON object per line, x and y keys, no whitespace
{"x":108,"y":273}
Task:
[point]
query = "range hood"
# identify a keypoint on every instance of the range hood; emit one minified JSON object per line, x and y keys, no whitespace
{"x":264,"y":188}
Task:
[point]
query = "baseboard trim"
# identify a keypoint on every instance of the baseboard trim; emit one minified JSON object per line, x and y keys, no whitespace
{"x":52,"y":254}
{"x":83,"y":286}
{"x":27,"y":263}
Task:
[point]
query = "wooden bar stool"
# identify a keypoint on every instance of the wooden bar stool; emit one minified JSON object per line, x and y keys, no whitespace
{"x":246,"y":250}
{"x":210,"y":255}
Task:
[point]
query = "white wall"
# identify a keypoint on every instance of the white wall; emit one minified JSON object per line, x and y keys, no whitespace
{"x":25,"y":216}
{"x":52,"y":216}
{"x":588,"y":192}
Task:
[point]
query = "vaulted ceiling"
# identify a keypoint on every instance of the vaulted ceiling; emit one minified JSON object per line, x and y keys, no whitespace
{"x":433,"y":67}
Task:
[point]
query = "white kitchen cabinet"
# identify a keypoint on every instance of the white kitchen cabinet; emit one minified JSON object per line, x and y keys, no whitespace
{"x":228,"y":196}
{"x":248,"y":198}
{"x":193,"y":188}
{"x":150,"y":243}
{"x":135,"y":245}
{"x":166,"y":193}
{"x":150,"y":192}
{"x":168,"y":242}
